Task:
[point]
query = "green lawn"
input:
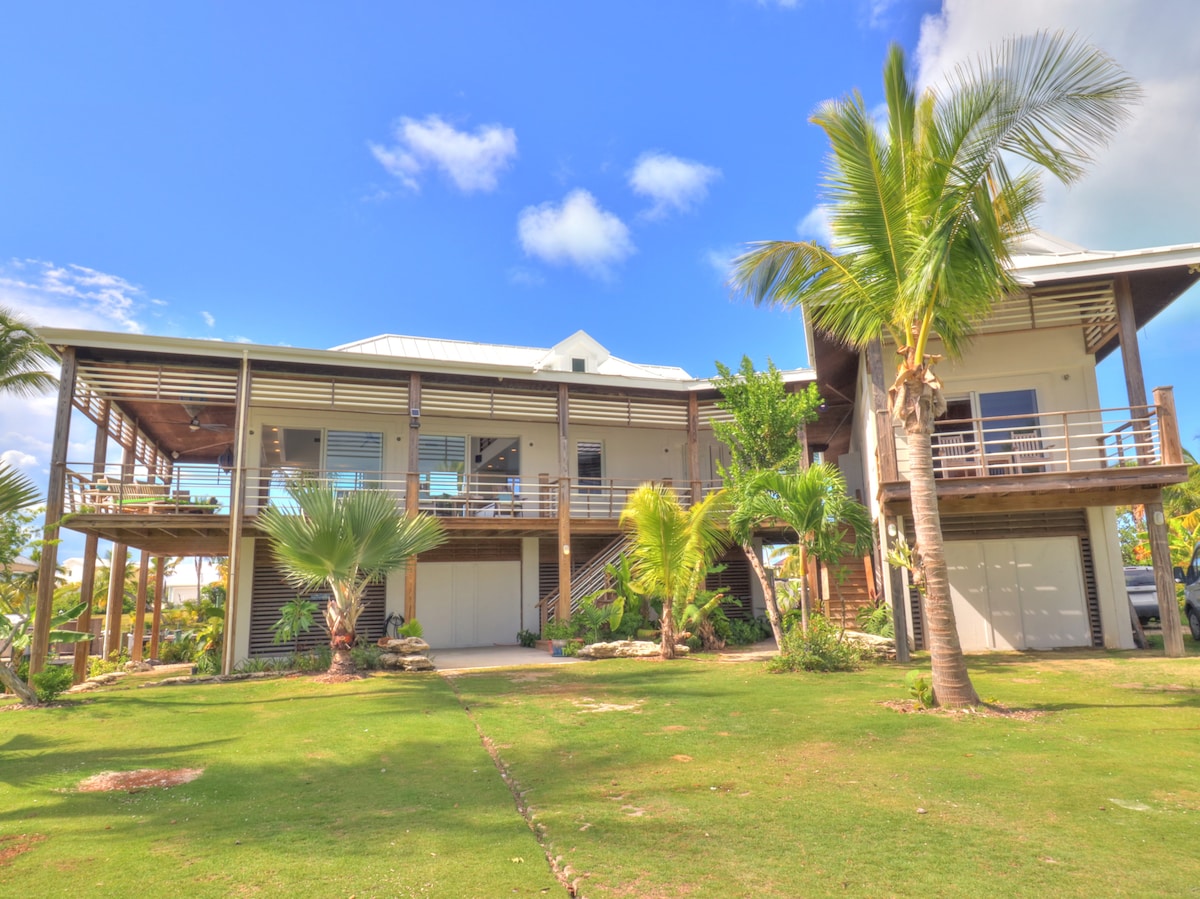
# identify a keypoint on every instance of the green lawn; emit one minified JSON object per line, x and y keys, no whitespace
{"x":692,"y":778}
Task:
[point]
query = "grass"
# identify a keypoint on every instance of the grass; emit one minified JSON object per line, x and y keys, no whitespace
{"x":649,"y":779}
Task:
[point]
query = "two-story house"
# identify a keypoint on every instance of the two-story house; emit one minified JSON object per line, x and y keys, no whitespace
{"x":1030,"y":466}
{"x":525,"y":454}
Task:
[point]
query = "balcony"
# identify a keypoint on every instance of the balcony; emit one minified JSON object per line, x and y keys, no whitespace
{"x":1111,"y":456}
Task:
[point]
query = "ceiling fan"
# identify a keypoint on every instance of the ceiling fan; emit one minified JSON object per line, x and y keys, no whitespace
{"x":196,"y":425}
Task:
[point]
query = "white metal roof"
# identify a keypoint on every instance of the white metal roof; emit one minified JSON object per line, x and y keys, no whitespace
{"x":1041,"y":257}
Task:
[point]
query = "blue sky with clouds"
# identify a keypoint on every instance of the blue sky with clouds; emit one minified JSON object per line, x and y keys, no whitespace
{"x":312,"y":174}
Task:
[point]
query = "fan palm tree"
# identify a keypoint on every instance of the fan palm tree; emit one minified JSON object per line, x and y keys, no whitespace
{"x":813,"y":504}
{"x":924,"y":213}
{"x":23,"y":357}
{"x":344,"y":542}
{"x":672,"y":548}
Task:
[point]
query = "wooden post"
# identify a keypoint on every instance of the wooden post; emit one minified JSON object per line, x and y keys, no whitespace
{"x":1168,"y":426}
{"x":139,"y":616}
{"x":889,"y":537}
{"x":237,"y":516}
{"x":885,"y":436}
{"x":87,"y":589}
{"x":160,"y":577}
{"x":412,"y":488}
{"x":55,"y":490}
{"x":563,"y":611}
{"x":693,"y":446}
{"x":116,"y":599}
{"x":1156,"y":522}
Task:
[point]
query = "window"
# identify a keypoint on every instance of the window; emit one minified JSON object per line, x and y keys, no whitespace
{"x":442,"y":463}
{"x":578,"y":364}
{"x":1017,"y":411}
{"x":589,"y":460}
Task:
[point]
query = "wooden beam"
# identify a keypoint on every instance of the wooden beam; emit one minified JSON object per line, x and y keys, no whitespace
{"x":87,"y":589}
{"x":237,"y":516}
{"x":1168,"y":426}
{"x":885,"y":435}
{"x":116,"y":598}
{"x":55,"y":490}
{"x":139,"y":616}
{"x":563,"y":610}
{"x":693,"y":446}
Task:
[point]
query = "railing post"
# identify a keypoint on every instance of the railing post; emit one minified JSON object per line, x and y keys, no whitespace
{"x":1170,"y":446}
{"x":1067,"y":438}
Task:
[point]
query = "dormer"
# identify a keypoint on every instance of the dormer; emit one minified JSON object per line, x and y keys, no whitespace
{"x":578,"y":353}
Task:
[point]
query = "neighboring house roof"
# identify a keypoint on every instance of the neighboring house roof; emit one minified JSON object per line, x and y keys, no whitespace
{"x":22,"y":565}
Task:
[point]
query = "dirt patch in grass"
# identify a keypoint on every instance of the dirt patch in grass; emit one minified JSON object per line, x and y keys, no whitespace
{"x":17,"y":844}
{"x":992,"y":710}
{"x":136,"y":781}
{"x":337,"y":678}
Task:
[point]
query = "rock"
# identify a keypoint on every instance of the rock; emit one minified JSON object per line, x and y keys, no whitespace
{"x":880,"y":647}
{"x":394,"y":661}
{"x":626,"y":649}
{"x":138,"y":667}
{"x":105,"y":679}
{"x":405,"y":646}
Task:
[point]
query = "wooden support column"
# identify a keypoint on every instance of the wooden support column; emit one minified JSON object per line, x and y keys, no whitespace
{"x":693,"y":446}
{"x":116,"y":599}
{"x":87,"y":590}
{"x":1168,"y":426}
{"x":55,"y":490}
{"x":563,"y":611}
{"x":412,"y":488}
{"x":889,"y":536}
{"x":237,"y":516}
{"x":87,"y":578}
{"x":1156,"y":522}
{"x":139,"y":616}
{"x":885,"y":435}
{"x":160,"y":577}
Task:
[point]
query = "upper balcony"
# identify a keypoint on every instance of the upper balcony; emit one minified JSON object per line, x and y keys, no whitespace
{"x":1114,"y":456}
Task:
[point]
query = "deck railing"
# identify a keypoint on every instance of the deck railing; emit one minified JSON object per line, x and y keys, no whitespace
{"x":1042,"y":443}
{"x":200,"y":489}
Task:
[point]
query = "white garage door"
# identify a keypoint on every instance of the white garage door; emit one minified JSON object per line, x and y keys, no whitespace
{"x":469,"y":603}
{"x":1018,"y":594}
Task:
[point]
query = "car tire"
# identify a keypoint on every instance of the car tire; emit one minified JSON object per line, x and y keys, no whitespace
{"x":1194,"y":623}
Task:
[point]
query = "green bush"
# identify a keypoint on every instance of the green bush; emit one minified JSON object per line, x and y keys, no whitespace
{"x":411,"y":629}
{"x":115,"y":662}
{"x":876,"y":620}
{"x":51,"y":682}
{"x":314,"y":661}
{"x":822,"y":648}
{"x":207,"y":662}
{"x":366,"y":656}
{"x":527,"y":638}
{"x":920,"y":688}
{"x":176,"y":651}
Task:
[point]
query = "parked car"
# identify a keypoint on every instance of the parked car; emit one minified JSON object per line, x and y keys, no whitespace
{"x":1190,"y":578}
{"x":1143,"y":592}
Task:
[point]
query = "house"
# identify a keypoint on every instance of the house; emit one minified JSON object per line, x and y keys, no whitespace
{"x":1029,"y":467}
{"x":525,"y":454}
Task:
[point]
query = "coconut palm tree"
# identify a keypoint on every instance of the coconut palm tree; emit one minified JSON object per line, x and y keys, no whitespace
{"x":924,"y":212}
{"x":17,"y":491}
{"x":344,"y":542}
{"x":672,"y":548}
{"x":23,"y":357}
{"x":827,"y":524}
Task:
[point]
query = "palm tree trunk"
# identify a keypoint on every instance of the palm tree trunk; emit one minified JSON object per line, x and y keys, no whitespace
{"x":805,"y":590}
{"x":768,"y":587}
{"x":9,"y":678}
{"x":342,"y":664}
{"x":952,"y":685}
{"x":668,"y":630}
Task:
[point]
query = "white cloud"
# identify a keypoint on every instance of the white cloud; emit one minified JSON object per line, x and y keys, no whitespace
{"x":1142,"y":190}
{"x":720,"y":260}
{"x":673,"y":184}
{"x":815,"y":226}
{"x":472,"y":161}
{"x":71,"y":296}
{"x":576,"y":233}
{"x":208,"y":318}
{"x":525,"y":277}
{"x":17,"y":459}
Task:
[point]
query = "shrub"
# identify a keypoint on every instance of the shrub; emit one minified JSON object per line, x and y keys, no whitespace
{"x":876,"y":619}
{"x":822,"y":648}
{"x":55,"y":679}
{"x":527,"y":638}
{"x":176,"y":651}
{"x":115,"y":662}
{"x":743,"y":632}
{"x":411,"y":629}
{"x":208,"y":662}
{"x":255,"y":665}
{"x":314,"y":661}
{"x":920,"y":688}
{"x":366,"y":656}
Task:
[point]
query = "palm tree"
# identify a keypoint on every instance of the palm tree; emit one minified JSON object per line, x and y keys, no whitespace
{"x":17,"y":491}
{"x":671,"y":548}
{"x":813,"y":504}
{"x":23,"y":357}
{"x":924,"y":213}
{"x":344,"y":542}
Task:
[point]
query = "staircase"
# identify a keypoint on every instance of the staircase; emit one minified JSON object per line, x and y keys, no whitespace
{"x":587,"y":579}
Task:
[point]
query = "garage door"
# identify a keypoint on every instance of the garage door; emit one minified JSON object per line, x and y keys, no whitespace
{"x":469,"y":603}
{"x":1018,"y":594}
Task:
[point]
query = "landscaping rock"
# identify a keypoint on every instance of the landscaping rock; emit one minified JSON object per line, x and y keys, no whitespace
{"x":138,"y":667}
{"x":626,"y":649}
{"x":104,"y":680}
{"x":880,"y":647}
{"x":405,"y":646}
{"x":394,"y":661}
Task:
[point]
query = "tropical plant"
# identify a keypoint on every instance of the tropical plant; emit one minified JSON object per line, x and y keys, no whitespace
{"x":813,"y":505}
{"x":822,"y":646}
{"x":24,"y":357}
{"x":51,"y":682}
{"x":344,"y":542}
{"x":672,"y":548}
{"x":296,"y":618}
{"x":16,"y":632}
{"x":924,"y":213}
{"x":411,"y":629}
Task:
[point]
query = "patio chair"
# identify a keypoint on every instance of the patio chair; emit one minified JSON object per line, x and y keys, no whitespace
{"x":956,"y":455}
{"x":1028,"y":454}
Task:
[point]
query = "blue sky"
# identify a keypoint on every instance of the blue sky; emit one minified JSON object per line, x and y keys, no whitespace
{"x":305,"y":174}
